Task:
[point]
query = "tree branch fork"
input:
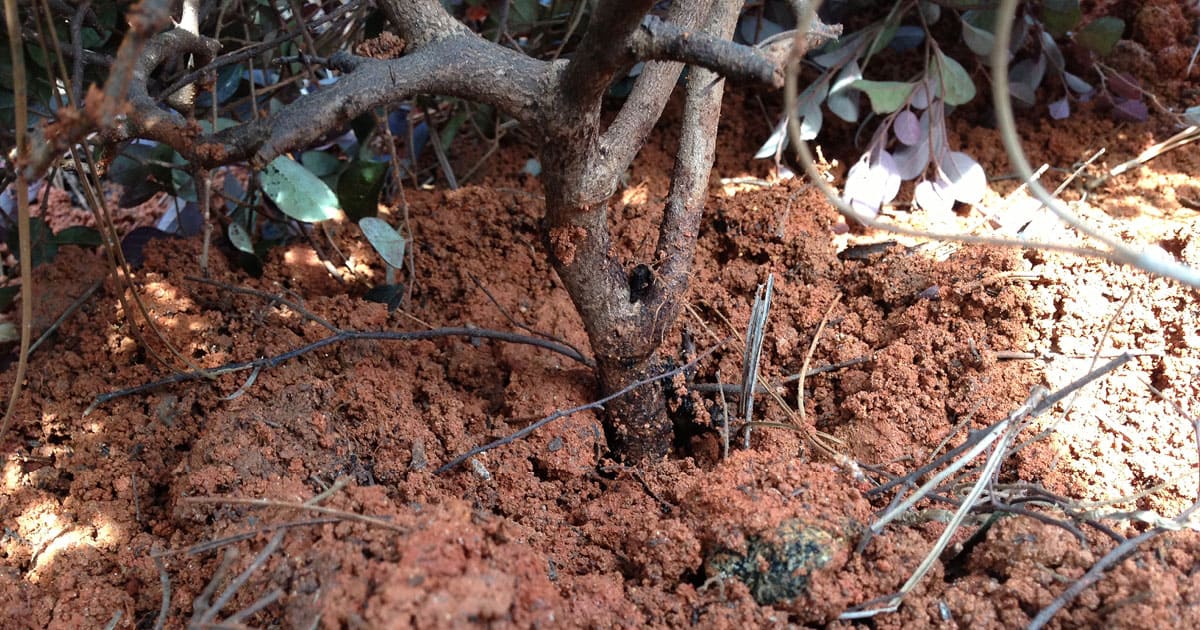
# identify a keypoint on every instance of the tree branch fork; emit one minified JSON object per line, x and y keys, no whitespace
{"x":459,"y":63}
{"x":582,"y":159}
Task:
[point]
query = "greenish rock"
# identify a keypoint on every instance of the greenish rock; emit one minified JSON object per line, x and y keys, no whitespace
{"x":776,"y":567}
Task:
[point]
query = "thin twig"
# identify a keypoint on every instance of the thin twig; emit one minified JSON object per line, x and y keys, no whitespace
{"x":1092,"y":576}
{"x":562,"y":413}
{"x":164,"y":579}
{"x":225,"y":541}
{"x":70,"y":310}
{"x":341,"y":337}
{"x":21,"y":190}
{"x":516,"y":322}
{"x":349,"y":516}
{"x":271,"y":297}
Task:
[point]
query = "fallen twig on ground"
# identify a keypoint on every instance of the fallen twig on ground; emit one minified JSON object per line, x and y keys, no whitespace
{"x":339,"y":336}
{"x":998,"y":438}
{"x":562,"y":413}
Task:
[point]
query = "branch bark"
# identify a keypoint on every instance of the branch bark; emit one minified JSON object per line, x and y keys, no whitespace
{"x":463,"y":65}
{"x":644,"y":106}
{"x":661,"y":40}
{"x":562,"y":101}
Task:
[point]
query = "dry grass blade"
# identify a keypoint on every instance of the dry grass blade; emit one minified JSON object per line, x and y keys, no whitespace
{"x":1189,"y":135}
{"x":997,"y":437}
{"x":812,"y":348}
{"x":754,"y":341}
{"x":205,"y":608}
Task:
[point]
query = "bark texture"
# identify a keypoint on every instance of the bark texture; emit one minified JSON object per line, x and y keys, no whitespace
{"x":582,"y":160}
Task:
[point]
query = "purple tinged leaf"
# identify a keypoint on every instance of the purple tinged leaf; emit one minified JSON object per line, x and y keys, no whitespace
{"x":966,"y":179}
{"x":933,"y":196}
{"x":889,"y":174}
{"x":861,"y":187}
{"x":1130,"y":110}
{"x":907,"y":128}
{"x":1060,"y":109}
{"x":843,"y":100}
{"x":1123,"y":84}
{"x":871,"y":183}
{"x":1028,"y":71}
{"x":977,"y":31}
{"x":1077,"y":85}
{"x":921,"y":94}
{"x":864,"y":211}
{"x":911,"y":161}
{"x":1022,"y":93}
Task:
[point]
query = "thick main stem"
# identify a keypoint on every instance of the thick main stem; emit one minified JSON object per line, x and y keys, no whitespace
{"x":627,"y":324}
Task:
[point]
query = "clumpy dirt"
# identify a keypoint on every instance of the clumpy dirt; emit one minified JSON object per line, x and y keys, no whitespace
{"x":102,"y":511}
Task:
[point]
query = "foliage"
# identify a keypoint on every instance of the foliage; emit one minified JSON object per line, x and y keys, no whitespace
{"x":906,"y":114}
{"x":350,"y":171}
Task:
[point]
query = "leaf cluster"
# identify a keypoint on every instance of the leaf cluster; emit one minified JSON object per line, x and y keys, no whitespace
{"x":906,"y":115}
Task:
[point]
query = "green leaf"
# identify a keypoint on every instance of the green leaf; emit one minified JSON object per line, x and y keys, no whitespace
{"x":956,"y":83}
{"x":240,"y":238}
{"x":884,"y":36}
{"x":43,"y":249}
{"x":80,"y":235}
{"x":385,"y":239}
{"x":451,"y":129}
{"x":886,"y":96}
{"x":229,"y":79}
{"x":1060,"y":16}
{"x":1101,"y":35}
{"x":183,"y":185}
{"x":359,"y":187}
{"x":320,"y":163}
{"x":298,"y":193}
{"x":140,"y":169}
{"x":977,"y":31}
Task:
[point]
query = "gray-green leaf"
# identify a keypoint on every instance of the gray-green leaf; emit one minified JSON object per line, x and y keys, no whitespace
{"x":240,"y":238}
{"x":977,"y":27}
{"x":957,"y":86}
{"x":298,"y":193}
{"x":886,"y":96}
{"x":385,"y":239}
{"x":1101,"y":35}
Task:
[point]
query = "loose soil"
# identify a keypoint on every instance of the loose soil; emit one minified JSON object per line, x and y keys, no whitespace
{"x":102,"y":511}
